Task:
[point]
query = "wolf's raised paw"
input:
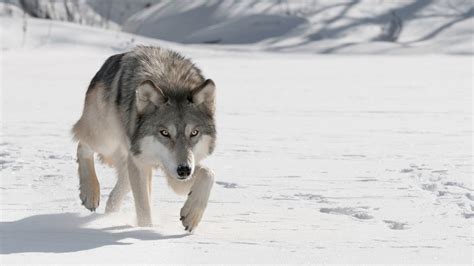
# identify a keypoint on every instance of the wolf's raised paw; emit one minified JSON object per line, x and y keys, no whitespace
{"x":90,"y":197}
{"x":192,"y":211}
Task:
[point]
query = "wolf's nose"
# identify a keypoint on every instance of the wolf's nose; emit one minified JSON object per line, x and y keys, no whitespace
{"x":183,"y":170}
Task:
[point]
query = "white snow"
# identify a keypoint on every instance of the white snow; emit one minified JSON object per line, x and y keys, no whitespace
{"x":320,"y":158}
{"x":309,"y":26}
{"x":314,"y":26}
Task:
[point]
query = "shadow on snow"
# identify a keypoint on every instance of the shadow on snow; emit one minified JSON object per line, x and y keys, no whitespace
{"x":60,"y":233}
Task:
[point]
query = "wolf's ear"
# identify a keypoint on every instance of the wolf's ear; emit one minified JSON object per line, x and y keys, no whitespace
{"x":148,"y":96}
{"x":205,"y":93}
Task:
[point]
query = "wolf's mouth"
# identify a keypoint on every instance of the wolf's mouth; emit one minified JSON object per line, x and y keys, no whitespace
{"x":184,"y":178}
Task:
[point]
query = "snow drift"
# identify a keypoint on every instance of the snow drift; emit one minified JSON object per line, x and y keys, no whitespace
{"x":316,"y":26}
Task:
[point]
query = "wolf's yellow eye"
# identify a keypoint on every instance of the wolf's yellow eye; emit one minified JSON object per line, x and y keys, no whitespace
{"x":165,"y":133}
{"x":194,"y":133}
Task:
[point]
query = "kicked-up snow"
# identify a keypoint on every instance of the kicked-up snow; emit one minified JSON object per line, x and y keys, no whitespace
{"x":320,"y":158}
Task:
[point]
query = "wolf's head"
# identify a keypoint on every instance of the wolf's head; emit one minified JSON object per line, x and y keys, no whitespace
{"x":175,"y":130}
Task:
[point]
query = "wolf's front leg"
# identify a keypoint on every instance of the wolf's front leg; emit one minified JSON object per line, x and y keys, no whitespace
{"x":138,"y":174}
{"x":194,"y":207}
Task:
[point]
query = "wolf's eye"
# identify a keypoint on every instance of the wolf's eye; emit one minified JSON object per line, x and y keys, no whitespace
{"x":194,"y":133}
{"x":165,"y":133}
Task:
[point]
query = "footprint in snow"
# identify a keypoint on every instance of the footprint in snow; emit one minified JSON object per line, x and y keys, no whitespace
{"x":394,"y":225}
{"x":470,"y":196}
{"x":361,"y":215}
{"x":227,"y":185}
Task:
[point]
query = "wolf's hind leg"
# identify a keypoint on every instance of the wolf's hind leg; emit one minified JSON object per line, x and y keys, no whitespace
{"x":88,"y":183}
{"x":122,"y":188}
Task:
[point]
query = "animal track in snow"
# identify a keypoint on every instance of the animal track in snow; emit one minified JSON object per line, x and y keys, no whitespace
{"x":228,"y":185}
{"x":353,"y":212}
{"x":309,"y":196}
{"x":470,"y":196}
{"x":437,"y":182}
{"x":366,"y":179}
{"x":394,"y":225}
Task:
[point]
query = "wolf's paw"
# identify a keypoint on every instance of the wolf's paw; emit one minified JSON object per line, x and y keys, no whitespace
{"x":144,"y":222}
{"x":90,"y":196}
{"x":113,"y":204}
{"x":192,"y":211}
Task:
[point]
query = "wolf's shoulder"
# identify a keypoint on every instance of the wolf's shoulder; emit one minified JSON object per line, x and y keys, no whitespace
{"x":166,"y":68}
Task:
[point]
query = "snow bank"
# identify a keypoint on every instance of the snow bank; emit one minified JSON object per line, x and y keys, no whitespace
{"x":78,"y":11}
{"x":314,"y":26}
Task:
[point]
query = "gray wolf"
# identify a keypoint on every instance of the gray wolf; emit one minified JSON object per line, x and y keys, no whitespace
{"x":145,"y":109}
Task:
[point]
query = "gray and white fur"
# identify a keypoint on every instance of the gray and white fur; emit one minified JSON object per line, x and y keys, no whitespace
{"x":144,"y":109}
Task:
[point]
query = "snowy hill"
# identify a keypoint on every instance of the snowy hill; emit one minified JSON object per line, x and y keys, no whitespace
{"x":316,"y":26}
{"x":320,"y":158}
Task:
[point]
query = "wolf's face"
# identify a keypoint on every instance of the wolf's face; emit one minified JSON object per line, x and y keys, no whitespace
{"x":176,"y":131}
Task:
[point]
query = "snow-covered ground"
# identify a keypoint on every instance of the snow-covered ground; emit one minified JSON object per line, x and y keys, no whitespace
{"x":320,"y":158}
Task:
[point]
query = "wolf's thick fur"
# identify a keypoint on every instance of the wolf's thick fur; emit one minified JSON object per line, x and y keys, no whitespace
{"x":148,"y":108}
